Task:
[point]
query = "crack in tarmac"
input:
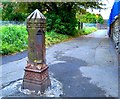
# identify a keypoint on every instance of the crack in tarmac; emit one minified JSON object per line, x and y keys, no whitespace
{"x":7,"y":84}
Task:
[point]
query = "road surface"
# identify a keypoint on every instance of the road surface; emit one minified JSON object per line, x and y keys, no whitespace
{"x":86,"y":66}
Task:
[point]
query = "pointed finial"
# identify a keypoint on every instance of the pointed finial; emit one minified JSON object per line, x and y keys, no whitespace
{"x":36,"y":15}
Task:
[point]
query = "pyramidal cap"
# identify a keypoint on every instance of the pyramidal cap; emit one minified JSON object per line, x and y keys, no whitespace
{"x":36,"y":20}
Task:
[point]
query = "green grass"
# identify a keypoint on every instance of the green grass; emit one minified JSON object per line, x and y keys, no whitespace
{"x":14,"y":38}
{"x":88,"y":30}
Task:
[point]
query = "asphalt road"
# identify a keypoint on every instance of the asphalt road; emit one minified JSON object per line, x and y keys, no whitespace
{"x":86,"y":66}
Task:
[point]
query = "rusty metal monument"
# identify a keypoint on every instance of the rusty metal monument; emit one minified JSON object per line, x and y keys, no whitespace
{"x":36,"y":75}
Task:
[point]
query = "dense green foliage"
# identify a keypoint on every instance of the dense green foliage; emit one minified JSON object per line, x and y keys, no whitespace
{"x":57,"y":24}
{"x":61,"y":16}
{"x":91,"y":18}
{"x":10,"y":12}
{"x":14,"y":39}
{"x":100,"y":19}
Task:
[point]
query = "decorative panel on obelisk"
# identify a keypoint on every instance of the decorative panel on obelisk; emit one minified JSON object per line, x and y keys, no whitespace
{"x":36,"y":72}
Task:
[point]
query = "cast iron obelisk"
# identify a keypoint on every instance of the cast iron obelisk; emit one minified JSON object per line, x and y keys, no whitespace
{"x":36,"y":72}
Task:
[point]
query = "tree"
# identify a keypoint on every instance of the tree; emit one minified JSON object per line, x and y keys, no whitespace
{"x":100,"y":19}
{"x":91,"y":18}
{"x":61,"y":16}
{"x":9,"y":12}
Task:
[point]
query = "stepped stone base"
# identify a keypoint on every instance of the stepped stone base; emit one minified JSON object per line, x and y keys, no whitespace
{"x":35,"y":79}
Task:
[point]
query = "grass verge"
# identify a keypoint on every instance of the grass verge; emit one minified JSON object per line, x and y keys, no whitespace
{"x":87,"y":30}
{"x":14,"y":38}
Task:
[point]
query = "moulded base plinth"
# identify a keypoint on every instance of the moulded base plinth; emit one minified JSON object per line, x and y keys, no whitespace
{"x":37,"y":80}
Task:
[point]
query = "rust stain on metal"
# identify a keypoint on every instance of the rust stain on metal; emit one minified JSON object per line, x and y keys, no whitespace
{"x":36,"y":71}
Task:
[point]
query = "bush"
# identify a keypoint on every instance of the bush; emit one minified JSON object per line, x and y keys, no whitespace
{"x":14,"y":39}
{"x":63,"y":23}
{"x":90,"y":18}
